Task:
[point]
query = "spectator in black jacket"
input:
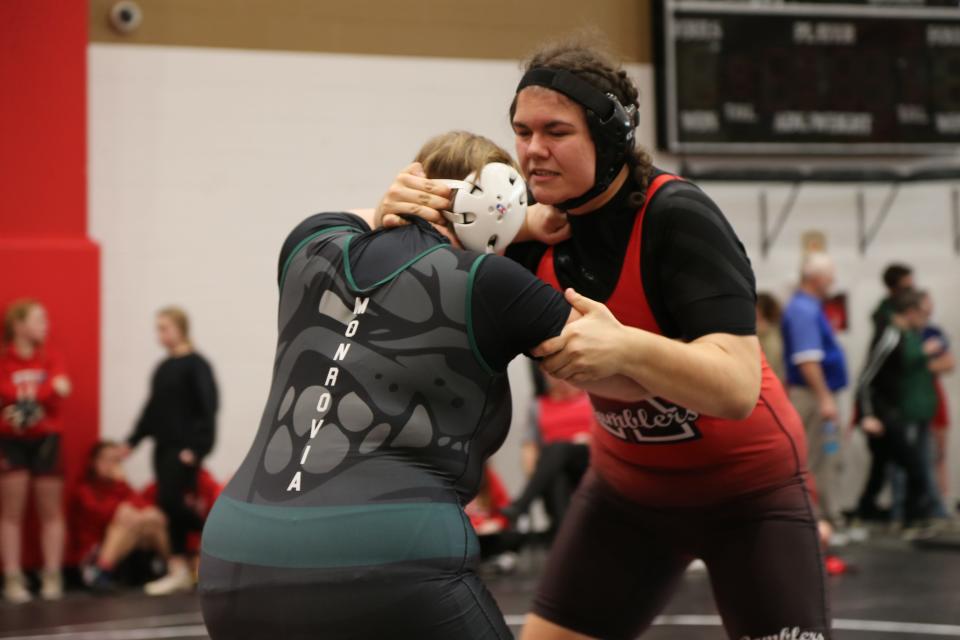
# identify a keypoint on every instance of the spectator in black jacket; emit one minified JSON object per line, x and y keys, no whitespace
{"x":896,"y":277}
{"x":180,"y":417}
{"x":896,"y":403}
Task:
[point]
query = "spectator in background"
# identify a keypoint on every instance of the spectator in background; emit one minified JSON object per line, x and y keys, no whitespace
{"x":111,"y":520}
{"x":199,"y":501}
{"x":896,"y":401}
{"x":816,"y":371}
{"x":498,"y":543}
{"x":940,"y":362}
{"x":557,"y":455}
{"x":769,"y":316}
{"x":932,"y":453}
{"x":33,"y":382}
{"x":180,"y":417}
{"x":896,"y":277}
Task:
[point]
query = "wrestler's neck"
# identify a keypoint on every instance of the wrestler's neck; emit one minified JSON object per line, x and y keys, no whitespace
{"x":597,"y":203}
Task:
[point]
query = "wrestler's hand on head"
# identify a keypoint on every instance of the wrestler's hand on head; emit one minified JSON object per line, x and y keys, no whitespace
{"x":544,"y":223}
{"x":588,"y":349}
{"x":414,"y":194}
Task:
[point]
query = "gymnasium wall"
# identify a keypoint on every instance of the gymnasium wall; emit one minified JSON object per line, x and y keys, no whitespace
{"x":202,"y":159}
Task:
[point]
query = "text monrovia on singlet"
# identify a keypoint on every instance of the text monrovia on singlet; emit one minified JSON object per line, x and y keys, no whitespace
{"x":323,"y":404}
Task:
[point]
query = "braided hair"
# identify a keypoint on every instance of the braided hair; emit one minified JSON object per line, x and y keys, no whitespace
{"x":590,"y":62}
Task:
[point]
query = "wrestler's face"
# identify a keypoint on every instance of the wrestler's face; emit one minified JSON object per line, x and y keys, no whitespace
{"x":554,"y":146}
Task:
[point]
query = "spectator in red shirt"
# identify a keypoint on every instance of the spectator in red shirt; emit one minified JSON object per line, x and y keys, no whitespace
{"x":558,"y":455}
{"x":111,"y":520}
{"x":498,"y":543}
{"x":33,"y":382}
{"x":484,"y":510}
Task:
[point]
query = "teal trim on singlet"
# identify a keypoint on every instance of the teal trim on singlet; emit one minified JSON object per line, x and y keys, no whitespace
{"x":303,"y":243}
{"x":336,"y":536}
{"x":349,"y":272}
{"x":473,"y":340}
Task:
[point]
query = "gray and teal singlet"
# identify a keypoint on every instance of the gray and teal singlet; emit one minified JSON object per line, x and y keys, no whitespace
{"x":381,"y":414}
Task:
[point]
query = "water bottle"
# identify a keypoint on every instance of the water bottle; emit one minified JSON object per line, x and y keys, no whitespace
{"x":831,"y":439}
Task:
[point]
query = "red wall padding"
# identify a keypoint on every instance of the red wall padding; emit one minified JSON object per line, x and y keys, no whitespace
{"x":44,"y":249}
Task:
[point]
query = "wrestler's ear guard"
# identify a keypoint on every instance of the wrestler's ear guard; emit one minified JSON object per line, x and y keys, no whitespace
{"x":488,"y":210}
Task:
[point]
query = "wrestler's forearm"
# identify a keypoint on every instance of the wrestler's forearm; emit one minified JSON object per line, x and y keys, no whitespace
{"x":716,"y":375}
{"x":617,"y":387}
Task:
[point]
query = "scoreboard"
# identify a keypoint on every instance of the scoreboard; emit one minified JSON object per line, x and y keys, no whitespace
{"x":807,"y":77}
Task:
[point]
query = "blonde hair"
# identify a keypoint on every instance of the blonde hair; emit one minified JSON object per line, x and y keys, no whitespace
{"x":180,"y":319}
{"x":456,"y":154}
{"x":17,"y":311}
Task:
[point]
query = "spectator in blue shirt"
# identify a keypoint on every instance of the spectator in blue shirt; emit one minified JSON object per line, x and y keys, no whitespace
{"x":816,"y":371}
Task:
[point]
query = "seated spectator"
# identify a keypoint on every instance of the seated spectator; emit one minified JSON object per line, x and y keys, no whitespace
{"x":497,"y":542}
{"x":559,"y":453}
{"x":769,"y":316}
{"x":111,"y":521}
{"x":896,"y":402}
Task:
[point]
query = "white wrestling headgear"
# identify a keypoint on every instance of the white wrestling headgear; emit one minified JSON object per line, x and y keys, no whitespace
{"x":487,"y":213}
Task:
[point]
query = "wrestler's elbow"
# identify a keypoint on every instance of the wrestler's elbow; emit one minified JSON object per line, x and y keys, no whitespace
{"x":742,"y":398}
{"x":741,"y":407}
{"x":741,"y":376}
{"x":736,"y":396}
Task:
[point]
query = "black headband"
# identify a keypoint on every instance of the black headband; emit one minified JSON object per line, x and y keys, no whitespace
{"x":577,"y":89}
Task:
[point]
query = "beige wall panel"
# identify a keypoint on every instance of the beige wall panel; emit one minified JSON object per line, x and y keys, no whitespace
{"x":491,"y":29}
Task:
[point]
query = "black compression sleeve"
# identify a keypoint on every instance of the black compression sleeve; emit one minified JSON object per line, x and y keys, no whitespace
{"x":704,"y":280}
{"x":527,"y":254}
{"x":313,"y":224}
{"x":513,"y":311}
